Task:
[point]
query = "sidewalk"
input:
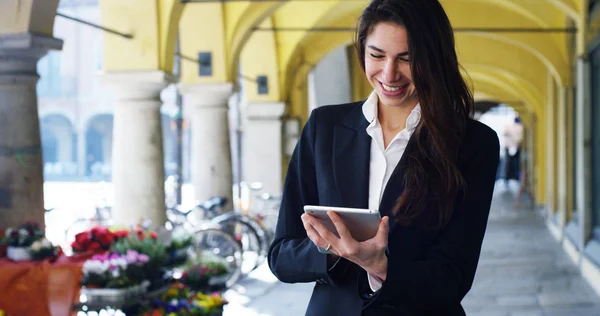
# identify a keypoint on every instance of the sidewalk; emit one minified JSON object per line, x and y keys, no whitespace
{"x":522,"y":271}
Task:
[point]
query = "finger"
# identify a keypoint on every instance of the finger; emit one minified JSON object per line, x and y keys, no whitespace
{"x":383,"y":231}
{"x":315,"y":237}
{"x":341,"y":228}
{"x":325,"y":234}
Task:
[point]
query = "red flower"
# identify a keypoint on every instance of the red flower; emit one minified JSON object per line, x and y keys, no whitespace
{"x":95,"y":246}
{"x":76,"y":246}
{"x":106,"y":239}
{"x":83,"y":239}
{"x":154,"y":235}
{"x":121,"y":233}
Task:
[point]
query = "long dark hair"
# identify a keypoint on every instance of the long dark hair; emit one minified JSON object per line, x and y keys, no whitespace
{"x":432,"y":178}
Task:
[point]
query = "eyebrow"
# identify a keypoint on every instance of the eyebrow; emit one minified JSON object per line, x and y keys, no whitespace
{"x":383,"y":52}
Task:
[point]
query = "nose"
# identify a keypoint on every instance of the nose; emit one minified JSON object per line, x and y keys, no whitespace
{"x":390,"y":71}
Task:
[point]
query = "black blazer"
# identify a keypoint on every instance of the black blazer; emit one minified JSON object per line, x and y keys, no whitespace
{"x":429,"y":272}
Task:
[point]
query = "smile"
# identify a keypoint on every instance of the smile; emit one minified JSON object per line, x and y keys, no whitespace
{"x":393,"y":89}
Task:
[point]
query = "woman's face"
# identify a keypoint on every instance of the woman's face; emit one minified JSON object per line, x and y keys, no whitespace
{"x":387,"y":65}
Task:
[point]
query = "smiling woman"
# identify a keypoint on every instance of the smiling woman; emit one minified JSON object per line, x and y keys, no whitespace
{"x":410,"y":151}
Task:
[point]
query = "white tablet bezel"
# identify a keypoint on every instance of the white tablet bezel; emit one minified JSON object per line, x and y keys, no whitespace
{"x":362,"y":223}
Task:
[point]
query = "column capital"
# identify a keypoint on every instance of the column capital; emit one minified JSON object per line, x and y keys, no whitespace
{"x":265,"y":110}
{"x":19,"y":54}
{"x":136,"y":85}
{"x":207,"y":94}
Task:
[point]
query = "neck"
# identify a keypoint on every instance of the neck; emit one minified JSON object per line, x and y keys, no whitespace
{"x":393,"y":118}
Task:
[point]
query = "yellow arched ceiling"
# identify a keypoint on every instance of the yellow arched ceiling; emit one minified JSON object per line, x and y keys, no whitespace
{"x":32,"y":16}
{"x":547,"y":48}
{"x":524,"y":89}
{"x":240,"y":20}
{"x":475,"y":49}
{"x":502,"y":92}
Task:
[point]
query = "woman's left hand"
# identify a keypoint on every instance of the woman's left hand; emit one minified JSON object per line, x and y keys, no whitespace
{"x":369,"y":254}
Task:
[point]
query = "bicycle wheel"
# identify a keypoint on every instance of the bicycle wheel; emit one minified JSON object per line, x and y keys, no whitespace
{"x":248,"y":238}
{"x":216,"y":243}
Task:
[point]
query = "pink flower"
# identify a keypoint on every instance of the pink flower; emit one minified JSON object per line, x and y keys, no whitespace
{"x":142,"y":258}
{"x":115,"y":256}
{"x":102,"y":257}
{"x":131,"y":256}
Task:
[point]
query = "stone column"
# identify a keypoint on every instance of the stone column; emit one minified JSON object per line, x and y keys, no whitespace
{"x":583,"y":150}
{"x":561,"y":159}
{"x":211,"y":151}
{"x":550,"y":149}
{"x":137,"y":157}
{"x":262,"y":146}
{"x":21,"y":163}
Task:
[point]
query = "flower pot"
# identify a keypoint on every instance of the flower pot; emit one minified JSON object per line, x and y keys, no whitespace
{"x":218,"y":280}
{"x":113,"y":296}
{"x":18,"y":253}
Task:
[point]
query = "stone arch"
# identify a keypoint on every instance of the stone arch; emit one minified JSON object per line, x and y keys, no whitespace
{"x":59,"y":146}
{"x":98,"y":146}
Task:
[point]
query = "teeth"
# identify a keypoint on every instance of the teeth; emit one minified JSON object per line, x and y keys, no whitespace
{"x":389,"y":88}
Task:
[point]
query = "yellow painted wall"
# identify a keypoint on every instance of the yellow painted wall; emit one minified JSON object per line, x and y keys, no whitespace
{"x":259,"y":57}
{"x":202,"y":30}
{"x":154,"y":27}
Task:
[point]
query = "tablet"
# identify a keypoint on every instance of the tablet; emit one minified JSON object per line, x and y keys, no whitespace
{"x":362,"y":223}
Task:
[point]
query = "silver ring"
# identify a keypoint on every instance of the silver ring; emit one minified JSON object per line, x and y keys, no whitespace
{"x":328,"y":246}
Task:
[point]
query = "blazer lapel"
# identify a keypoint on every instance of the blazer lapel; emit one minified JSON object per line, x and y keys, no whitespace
{"x":351,"y":157}
{"x":395,"y":185}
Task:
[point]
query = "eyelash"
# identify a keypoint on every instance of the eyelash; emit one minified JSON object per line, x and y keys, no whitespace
{"x":381,"y":56}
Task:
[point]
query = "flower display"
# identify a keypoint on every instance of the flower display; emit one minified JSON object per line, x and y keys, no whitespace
{"x":97,"y":239}
{"x":42,"y":249}
{"x":198,"y":276}
{"x":179,"y":300}
{"x":147,"y":243}
{"x":112,"y":270}
{"x":177,"y":245}
{"x":23,"y":236}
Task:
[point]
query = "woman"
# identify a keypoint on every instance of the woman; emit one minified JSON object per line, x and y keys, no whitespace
{"x":411,"y":151}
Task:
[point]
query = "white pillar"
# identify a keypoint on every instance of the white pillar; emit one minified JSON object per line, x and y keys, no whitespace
{"x":21,"y":163}
{"x":550,"y":153}
{"x":137,"y":155}
{"x":583,"y":150}
{"x":211,"y":151}
{"x":262,"y":146}
{"x":561,"y":159}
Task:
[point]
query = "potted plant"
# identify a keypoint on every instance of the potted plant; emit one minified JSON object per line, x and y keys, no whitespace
{"x":42,"y":249}
{"x":208,"y":274}
{"x":146,"y":243}
{"x":97,"y":240}
{"x":19,"y":240}
{"x":179,"y":300}
{"x":177,"y":246}
{"x":111,"y":277}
